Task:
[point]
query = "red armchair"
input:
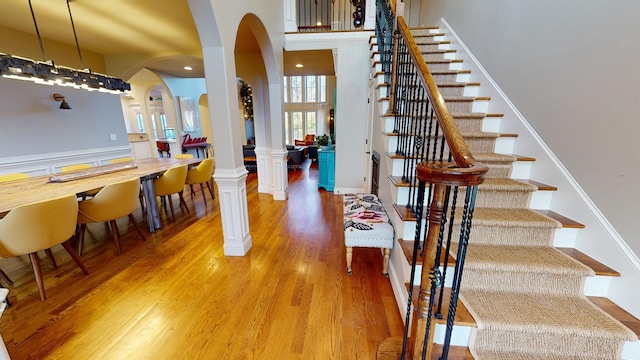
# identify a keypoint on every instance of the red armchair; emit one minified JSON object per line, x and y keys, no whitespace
{"x":308,"y":140}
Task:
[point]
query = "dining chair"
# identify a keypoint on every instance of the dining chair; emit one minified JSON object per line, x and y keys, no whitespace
{"x":114,"y":201}
{"x":13,"y":176}
{"x":201,"y":174}
{"x":121,"y":160}
{"x":38,"y":226}
{"x":172,"y":182}
{"x":183,"y":156}
{"x":74,"y":167}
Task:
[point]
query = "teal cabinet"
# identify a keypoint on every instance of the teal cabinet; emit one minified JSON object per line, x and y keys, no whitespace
{"x":326,"y":169}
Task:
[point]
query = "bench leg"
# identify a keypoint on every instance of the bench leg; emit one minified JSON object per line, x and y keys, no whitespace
{"x":385,"y":263}
{"x":349,"y":258}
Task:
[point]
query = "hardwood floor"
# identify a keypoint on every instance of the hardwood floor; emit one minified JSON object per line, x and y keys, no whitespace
{"x":176,"y":296}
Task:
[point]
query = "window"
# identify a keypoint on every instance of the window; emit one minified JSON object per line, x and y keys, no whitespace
{"x":287,"y":127}
{"x":296,"y":89}
{"x":310,"y":89}
{"x":286,"y":89}
{"x":322,"y":89}
{"x":140,"y":120}
{"x":310,"y":123}
{"x":297,"y":124}
{"x":307,"y":89}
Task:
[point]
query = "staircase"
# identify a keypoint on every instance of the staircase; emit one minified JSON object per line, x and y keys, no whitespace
{"x":524,"y":283}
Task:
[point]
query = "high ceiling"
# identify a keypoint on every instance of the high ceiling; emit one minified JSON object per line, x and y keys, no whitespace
{"x":124,"y":27}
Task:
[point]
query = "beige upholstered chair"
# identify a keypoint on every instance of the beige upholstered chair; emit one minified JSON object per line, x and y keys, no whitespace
{"x":112,"y":202}
{"x":39,"y":226}
{"x":169,"y":183}
{"x":183,"y":156}
{"x":201,"y":175}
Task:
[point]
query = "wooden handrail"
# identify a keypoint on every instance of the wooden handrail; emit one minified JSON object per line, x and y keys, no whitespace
{"x":459,"y":149}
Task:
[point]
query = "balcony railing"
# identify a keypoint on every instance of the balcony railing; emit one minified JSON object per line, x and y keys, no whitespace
{"x":330,"y":15}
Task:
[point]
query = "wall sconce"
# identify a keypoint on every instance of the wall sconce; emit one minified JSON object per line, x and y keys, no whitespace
{"x":63,"y":105}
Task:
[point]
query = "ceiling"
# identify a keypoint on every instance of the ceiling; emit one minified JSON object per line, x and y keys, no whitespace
{"x":126,"y":27}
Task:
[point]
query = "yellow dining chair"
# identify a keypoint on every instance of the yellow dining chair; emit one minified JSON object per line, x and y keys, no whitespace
{"x":74,"y":167}
{"x":201,"y":175}
{"x":120,"y":160}
{"x":112,"y":202}
{"x":68,"y":168}
{"x":183,"y":156}
{"x":171,"y":182}
{"x":14,"y":176}
{"x":11,"y":177}
{"x":38,"y":226}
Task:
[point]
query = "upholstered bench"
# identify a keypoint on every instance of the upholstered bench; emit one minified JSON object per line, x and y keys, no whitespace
{"x":366,"y":224}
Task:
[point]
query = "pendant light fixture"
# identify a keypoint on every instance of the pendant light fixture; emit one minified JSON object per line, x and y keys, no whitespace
{"x":46,"y":72}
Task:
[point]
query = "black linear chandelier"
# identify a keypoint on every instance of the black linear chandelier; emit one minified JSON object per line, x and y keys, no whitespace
{"x":46,"y":72}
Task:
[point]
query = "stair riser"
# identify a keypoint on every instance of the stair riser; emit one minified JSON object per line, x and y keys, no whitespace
{"x":451,"y":90}
{"x":521,"y":169}
{"x":493,"y":279}
{"x":487,"y":124}
{"x":467,"y":106}
{"x":467,"y":90}
{"x":387,"y":123}
{"x":391,"y":143}
{"x":376,"y":67}
{"x":425,"y":46}
{"x":432,"y":55}
{"x":383,"y":107}
{"x":494,"y":170}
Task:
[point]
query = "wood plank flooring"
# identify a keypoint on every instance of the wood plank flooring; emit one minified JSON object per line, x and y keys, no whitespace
{"x":176,"y":296}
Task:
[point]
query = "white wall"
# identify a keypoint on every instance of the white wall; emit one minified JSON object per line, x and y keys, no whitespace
{"x":569,"y":67}
{"x":351,"y":110}
{"x":31,"y":122}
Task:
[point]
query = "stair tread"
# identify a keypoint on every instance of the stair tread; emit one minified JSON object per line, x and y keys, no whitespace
{"x":468,"y":135}
{"x":458,"y":84}
{"x":450,"y":72}
{"x":391,"y":349}
{"x":465,"y":98}
{"x":598,"y":267}
{"x":407,"y":249}
{"x":565,"y":221}
{"x":522,"y":157}
{"x":463,"y":316}
{"x":541,"y":186}
{"x":618,"y":313}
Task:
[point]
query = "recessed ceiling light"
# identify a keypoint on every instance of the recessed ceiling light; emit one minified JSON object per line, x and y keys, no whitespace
{"x":188,"y":68}
{"x":299,"y":65}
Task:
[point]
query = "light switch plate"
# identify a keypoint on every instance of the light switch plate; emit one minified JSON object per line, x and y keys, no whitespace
{"x":113,"y":137}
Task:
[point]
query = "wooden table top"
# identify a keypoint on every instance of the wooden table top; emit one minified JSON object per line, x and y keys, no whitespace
{"x":24,"y":191}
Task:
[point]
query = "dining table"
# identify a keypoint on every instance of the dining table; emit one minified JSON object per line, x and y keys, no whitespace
{"x":24,"y":191}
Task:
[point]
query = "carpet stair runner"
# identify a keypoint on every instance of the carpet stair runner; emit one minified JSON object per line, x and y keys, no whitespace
{"x":525,"y":296}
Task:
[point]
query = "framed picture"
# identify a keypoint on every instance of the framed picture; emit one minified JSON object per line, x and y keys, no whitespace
{"x":189,"y":114}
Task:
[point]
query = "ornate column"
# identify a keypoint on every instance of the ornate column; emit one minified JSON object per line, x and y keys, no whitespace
{"x":232,"y":190}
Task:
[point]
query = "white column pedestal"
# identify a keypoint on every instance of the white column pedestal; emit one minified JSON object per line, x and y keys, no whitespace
{"x":280,"y":174}
{"x":265,"y":177}
{"x":232,"y":193}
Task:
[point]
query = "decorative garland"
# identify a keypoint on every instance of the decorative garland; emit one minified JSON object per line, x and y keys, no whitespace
{"x":247,"y":100}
